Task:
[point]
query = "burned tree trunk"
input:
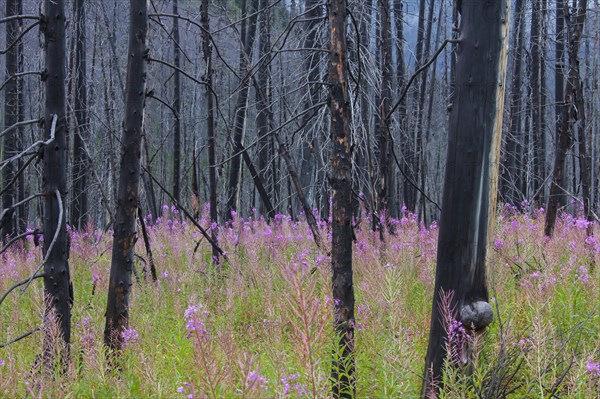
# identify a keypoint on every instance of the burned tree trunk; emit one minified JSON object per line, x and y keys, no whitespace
{"x":263,"y":116}
{"x":569,"y":113}
{"x":79,"y":207}
{"x":117,"y":309}
{"x":58,"y":293}
{"x":176,"y":108}
{"x":471,"y":178}
{"x":11,"y":117}
{"x":382,"y":151}
{"x":341,"y":183}
{"x":559,"y":82}
{"x":512,"y":180}
{"x":537,"y":112}
{"x":210,"y":125}
{"x":247,"y":43}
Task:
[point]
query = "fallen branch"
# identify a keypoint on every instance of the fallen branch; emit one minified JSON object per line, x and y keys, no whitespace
{"x":20,"y":337}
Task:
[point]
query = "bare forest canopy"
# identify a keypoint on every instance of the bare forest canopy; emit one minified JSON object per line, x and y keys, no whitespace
{"x":290,"y":71}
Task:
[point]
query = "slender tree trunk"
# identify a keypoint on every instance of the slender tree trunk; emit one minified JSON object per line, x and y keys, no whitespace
{"x":470,"y":186}
{"x":569,"y":114}
{"x":395,"y":193}
{"x":58,"y":291}
{"x":420,"y":134}
{"x":79,"y":207}
{"x":210,"y":126}
{"x":148,"y":183}
{"x":514,"y":196}
{"x":382,"y":151}
{"x":247,"y":43}
{"x":11,"y":116}
{"x":559,"y":84}
{"x":411,"y":144}
{"x":176,"y":108}
{"x":117,"y":309}
{"x":265,"y":167}
{"x":536,"y":101}
{"x":341,"y":182}
{"x":23,"y":209}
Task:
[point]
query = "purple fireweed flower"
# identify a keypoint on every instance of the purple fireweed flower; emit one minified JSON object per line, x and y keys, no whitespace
{"x":256,"y":381}
{"x":130,"y":336}
{"x":581,"y":223}
{"x":592,"y":368}
{"x":499,"y":244}
{"x":582,"y":274}
{"x":194,"y":325}
{"x":1,"y":362}
{"x":291,"y":384}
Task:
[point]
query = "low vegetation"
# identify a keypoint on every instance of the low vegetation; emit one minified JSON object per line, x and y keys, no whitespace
{"x":260,"y":324}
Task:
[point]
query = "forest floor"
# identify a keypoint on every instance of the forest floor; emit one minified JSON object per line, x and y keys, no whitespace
{"x":260,"y":325}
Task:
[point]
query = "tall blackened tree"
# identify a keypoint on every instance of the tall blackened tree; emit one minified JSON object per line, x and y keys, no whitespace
{"x":79,"y":206}
{"x":58,"y":293}
{"x":11,"y":116}
{"x":264,"y":115}
{"x":569,"y":112}
{"x":210,"y":122}
{"x":383,"y":155}
{"x":471,"y":177}
{"x":247,"y":43}
{"x":176,"y":108}
{"x":117,"y":310}
{"x":537,"y":113}
{"x":559,"y":80}
{"x":514,"y":149}
{"x":341,"y":183}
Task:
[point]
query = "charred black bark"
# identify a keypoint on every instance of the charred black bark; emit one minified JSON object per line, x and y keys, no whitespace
{"x":341,"y":182}
{"x":559,"y":81}
{"x":514,"y":146}
{"x":58,"y":294}
{"x":265,"y":166}
{"x":11,"y":116}
{"x":247,"y":43}
{"x":382,"y":152}
{"x":471,"y":177}
{"x":569,"y":115}
{"x":79,"y":206}
{"x":176,"y":108}
{"x":117,"y":310}
{"x":210,"y":124}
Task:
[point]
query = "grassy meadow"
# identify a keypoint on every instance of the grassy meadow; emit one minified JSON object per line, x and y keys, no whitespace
{"x":260,"y":325}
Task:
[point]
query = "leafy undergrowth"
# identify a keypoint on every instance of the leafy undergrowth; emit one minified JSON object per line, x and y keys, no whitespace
{"x":260,"y":325}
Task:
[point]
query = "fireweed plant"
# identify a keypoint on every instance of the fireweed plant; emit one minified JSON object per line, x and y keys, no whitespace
{"x":260,"y":325}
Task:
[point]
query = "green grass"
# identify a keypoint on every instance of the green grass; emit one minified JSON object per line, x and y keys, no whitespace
{"x":255,"y":318}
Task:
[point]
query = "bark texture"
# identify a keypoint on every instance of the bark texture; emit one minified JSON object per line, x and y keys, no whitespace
{"x":210,"y":124}
{"x":79,"y":206}
{"x":341,"y":183}
{"x":117,"y":310}
{"x":569,"y":113}
{"x":58,"y":293}
{"x":471,"y":177}
{"x":11,"y":117}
